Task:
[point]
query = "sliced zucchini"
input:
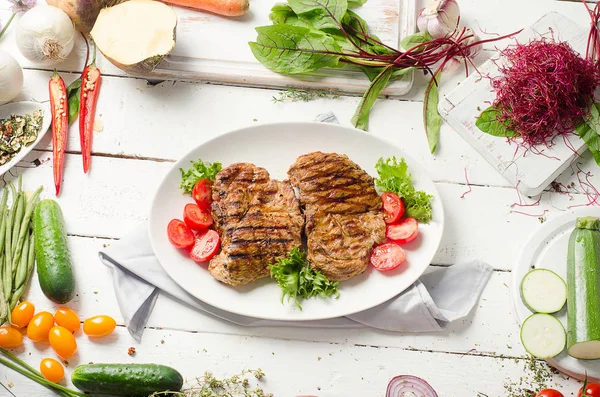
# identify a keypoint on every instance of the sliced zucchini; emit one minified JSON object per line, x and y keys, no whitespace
{"x":543,"y":335}
{"x":543,"y":291}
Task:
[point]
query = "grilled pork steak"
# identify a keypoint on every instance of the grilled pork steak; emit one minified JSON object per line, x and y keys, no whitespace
{"x":342,"y":209}
{"x":258,"y":220}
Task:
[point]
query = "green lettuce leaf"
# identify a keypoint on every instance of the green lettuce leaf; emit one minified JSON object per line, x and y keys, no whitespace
{"x":200,"y":170}
{"x":298,"y":281}
{"x":394,"y":177}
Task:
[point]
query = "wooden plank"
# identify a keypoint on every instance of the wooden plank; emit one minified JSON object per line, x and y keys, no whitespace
{"x":299,"y":368}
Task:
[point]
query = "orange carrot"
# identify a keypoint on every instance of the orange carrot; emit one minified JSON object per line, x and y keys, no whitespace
{"x":230,"y":8}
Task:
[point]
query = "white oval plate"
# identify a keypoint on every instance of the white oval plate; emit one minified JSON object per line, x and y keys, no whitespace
{"x":276,"y":147}
{"x":547,"y":249}
{"x":20,"y":109}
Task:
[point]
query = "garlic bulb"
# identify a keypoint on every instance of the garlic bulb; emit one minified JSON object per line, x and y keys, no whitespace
{"x":45,"y":35}
{"x":11,"y":78}
{"x":470,"y":52}
{"x":439,"y":18}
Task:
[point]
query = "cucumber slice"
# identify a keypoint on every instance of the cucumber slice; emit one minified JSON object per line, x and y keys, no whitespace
{"x":543,"y":335}
{"x":543,"y":291}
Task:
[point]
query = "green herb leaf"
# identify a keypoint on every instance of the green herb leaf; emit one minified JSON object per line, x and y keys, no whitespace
{"x":294,"y":49}
{"x":409,"y":42}
{"x":431,"y":116}
{"x":298,"y":281}
{"x":200,"y":170}
{"x":487,"y":122}
{"x":322,"y":13}
{"x":73,"y":94}
{"x":394,"y":177}
{"x":591,"y":139}
{"x":356,"y":3}
{"x":594,"y":119}
{"x":361,"y":116}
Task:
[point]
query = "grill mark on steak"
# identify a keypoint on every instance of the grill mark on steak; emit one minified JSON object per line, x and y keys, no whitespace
{"x":342,"y":209}
{"x":258,"y":220}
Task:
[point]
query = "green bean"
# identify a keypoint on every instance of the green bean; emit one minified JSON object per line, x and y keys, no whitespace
{"x":7,"y":264}
{"x":20,"y":276}
{"x":4,"y":312}
{"x":23,"y":226}
{"x":29,"y":270}
{"x":19,"y":212}
{"x":3,"y":227}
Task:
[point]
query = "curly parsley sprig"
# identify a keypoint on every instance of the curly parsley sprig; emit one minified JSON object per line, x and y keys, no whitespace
{"x":200,"y":170}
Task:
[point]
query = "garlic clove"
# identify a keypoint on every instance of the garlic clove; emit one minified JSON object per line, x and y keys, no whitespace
{"x":440,"y":18}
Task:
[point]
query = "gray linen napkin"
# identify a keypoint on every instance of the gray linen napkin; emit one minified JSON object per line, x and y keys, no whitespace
{"x":434,"y":301}
{"x":438,"y":298}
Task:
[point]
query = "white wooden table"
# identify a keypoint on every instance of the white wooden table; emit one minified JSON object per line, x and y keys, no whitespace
{"x":146,"y":128}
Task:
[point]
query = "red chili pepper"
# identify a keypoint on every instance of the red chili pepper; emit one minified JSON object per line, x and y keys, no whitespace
{"x":90,"y":85}
{"x":60,"y":125}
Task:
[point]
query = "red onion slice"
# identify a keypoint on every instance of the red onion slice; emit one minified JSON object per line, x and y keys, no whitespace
{"x":409,"y":386}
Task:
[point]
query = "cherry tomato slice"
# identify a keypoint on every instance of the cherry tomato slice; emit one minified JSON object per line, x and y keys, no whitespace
{"x":196,"y":218}
{"x":99,"y":326}
{"x":180,"y":234}
{"x":67,"y":318}
{"x":393,"y":207}
{"x":387,"y":256}
{"x":549,"y":393}
{"x":22,"y":314}
{"x":52,"y":370}
{"x":202,"y":194}
{"x":62,"y":342}
{"x":10,"y":337}
{"x":206,"y":246}
{"x":404,"y":231}
{"x":39,"y":326}
{"x":592,"y":390}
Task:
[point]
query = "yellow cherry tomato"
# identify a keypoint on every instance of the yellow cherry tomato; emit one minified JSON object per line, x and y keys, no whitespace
{"x":39,"y":326}
{"x":67,"y":318}
{"x":10,"y":337}
{"x":22,"y":314}
{"x":52,"y":370}
{"x":99,"y":326}
{"x":62,"y":342}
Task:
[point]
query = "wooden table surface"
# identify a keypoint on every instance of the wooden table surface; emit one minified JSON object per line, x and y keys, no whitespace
{"x":147,"y":127}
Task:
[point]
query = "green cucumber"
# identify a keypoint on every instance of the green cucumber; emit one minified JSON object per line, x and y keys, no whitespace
{"x":126,"y":379}
{"x":583,"y":286}
{"x":543,"y":335}
{"x":54,"y":268}
{"x":543,"y":291}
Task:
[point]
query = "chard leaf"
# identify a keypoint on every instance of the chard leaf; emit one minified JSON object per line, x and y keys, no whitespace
{"x":431,"y":116}
{"x":322,"y":13}
{"x":591,"y":139}
{"x":294,"y":49}
{"x":487,"y":122}
{"x":409,"y":42}
{"x":356,"y":3}
{"x":361,"y":116}
{"x":283,"y":14}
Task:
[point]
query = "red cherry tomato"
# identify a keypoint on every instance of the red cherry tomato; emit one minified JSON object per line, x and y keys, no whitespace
{"x":67,"y":318}
{"x":180,"y":234}
{"x":196,"y":218}
{"x":206,"y":246}
{"x":387,"y":256}
{"x":52,"y":370}
{"x":99,"y":326}
{"x":549,"y":393}
{"x":22,"y":314}
{"x":393,"y":207}
{"x":592,"y":390}
{"x":404,"y":231}
{"x":202,"y":194}
{"x":62,"y":342}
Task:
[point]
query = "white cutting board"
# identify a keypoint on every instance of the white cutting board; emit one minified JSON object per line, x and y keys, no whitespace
{"x":213,"y":48}
{"x":460,"y":108}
